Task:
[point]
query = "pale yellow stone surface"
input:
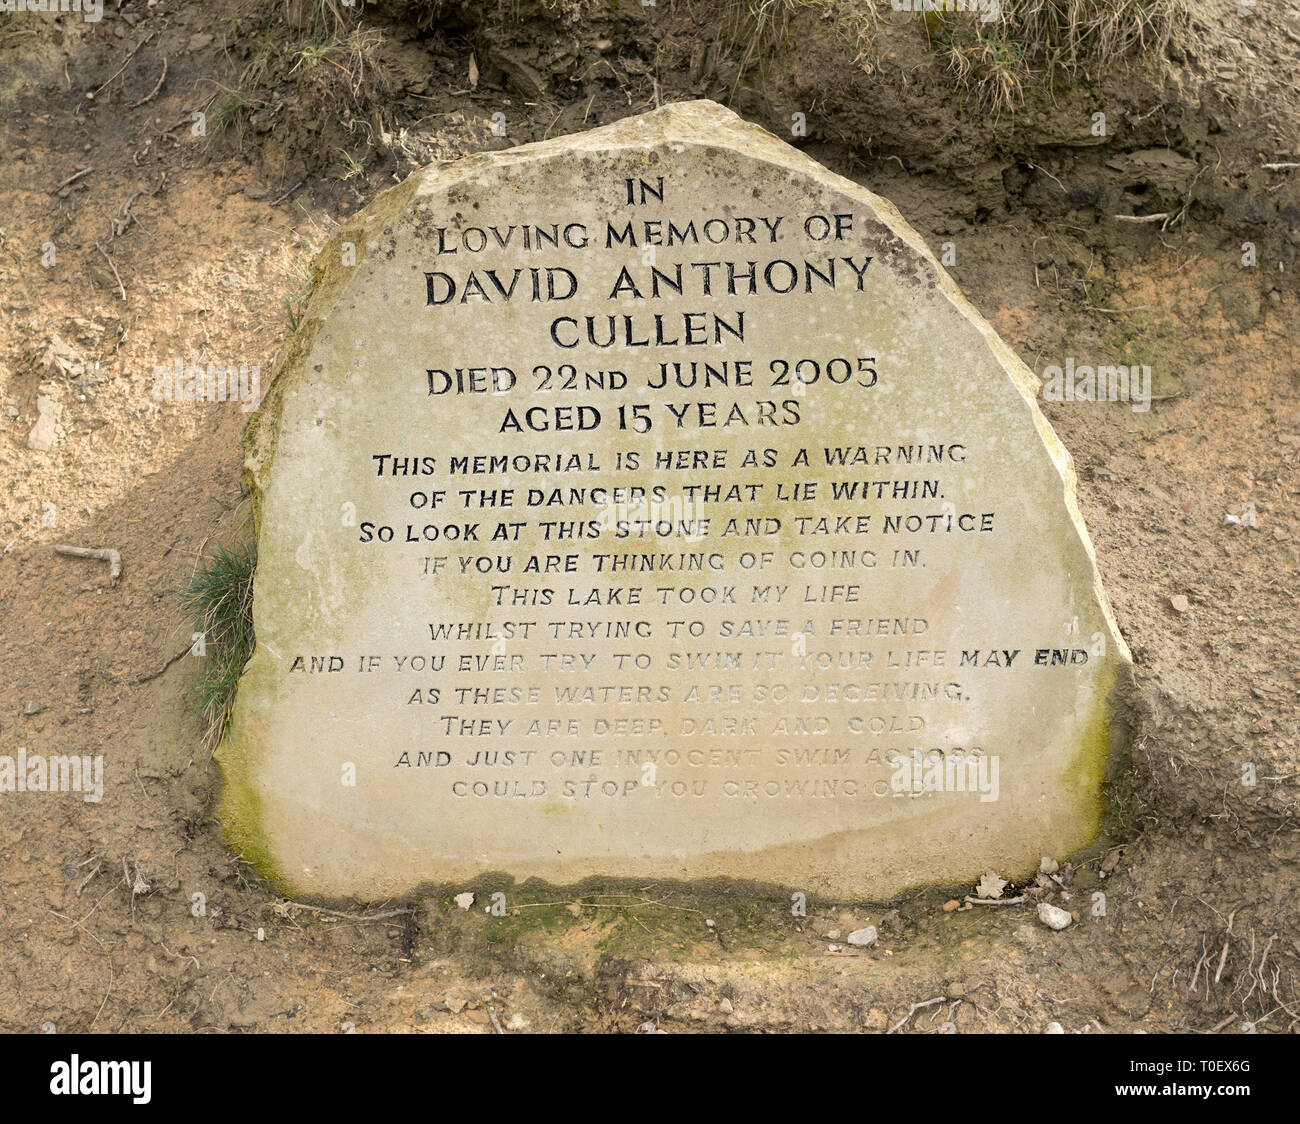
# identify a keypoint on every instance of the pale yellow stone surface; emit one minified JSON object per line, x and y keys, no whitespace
{"x":747,"y":781}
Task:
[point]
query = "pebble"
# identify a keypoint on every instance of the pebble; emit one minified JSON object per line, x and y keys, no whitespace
{"x":1179,"y":603}
{"x":464,"y":900}
{"x":32,"y":707}
{"x":1053,"y":916}
{"x":861,"y":938}
{"x":45,"y":431}
{"x":1054,"y":1028}
{"x":1048,"y":866}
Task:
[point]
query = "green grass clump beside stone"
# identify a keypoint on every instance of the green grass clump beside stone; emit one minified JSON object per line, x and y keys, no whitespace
{"x":218,"y":599}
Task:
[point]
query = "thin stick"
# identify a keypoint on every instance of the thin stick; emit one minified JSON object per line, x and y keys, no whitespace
{"x":351,"y":916}
{"x":916,"y":1007}
{"x":154,"y":674}
{"x":78,"y":924}
{"x":86,"y":881}
{"x":1223,"y":956}
{"x":74,"y":177}
{"x":178,"y":956}
{"x":288,"y":193}
{"x":154,"y":92}
{"x":113,"y":267}
{"x":1159,"y":217}
{"x":106,"y":994}
{"x":995,"y":901}
{"x":118,"y":223}
{"x":106,"y":554}
{"x":127,"y":60}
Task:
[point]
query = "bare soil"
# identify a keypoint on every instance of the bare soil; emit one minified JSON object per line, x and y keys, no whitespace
{"x":176,"y":245}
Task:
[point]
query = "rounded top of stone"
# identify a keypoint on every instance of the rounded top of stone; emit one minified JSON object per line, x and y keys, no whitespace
{"x":700,"y":123}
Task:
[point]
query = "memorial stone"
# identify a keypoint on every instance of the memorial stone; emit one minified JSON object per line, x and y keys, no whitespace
{"x":650,"y":503}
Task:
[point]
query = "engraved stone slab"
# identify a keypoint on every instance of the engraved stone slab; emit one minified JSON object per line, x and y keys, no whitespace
{"x":649,"y":502}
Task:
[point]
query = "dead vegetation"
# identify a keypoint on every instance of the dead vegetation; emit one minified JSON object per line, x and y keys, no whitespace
{"x":311,"y":68}
{"x":998,"y":54}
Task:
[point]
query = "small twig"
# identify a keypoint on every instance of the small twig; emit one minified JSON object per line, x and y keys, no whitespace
{"x":154,"y":92}
{"x":86,"y":881}
{"x":995,"y":901}
{"x":345,"y":916}
{"x":1191,"y":987}
{"x":1223,"y":956}
{"x":119,"y":222}
{"x":1279,"y":167}
{"x":1158,"y":217}
{"x":288,"y":193}
{"x":154,"y":674}
{"x":1036,"y":168}
{"x":178,"y":956}
{"x":123,"y":66}
{"x":106,"y":994}
{"x":78,"y":924}
{"x":106,"y":554}
{"x":916,"y":1007}
{"x":73,"y":178}
{"x":113,"y":267}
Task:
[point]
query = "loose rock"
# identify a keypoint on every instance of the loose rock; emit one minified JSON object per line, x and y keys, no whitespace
{"x":1053,"y":916}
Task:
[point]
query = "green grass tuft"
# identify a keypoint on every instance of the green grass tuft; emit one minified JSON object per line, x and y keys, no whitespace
{"x":218,"y":599}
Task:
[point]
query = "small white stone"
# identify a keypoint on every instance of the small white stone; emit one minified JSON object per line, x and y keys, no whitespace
{"x":43,"y":434}
{"x":1053,"y":916}
{"x":1054,"y":1028}
{"x":1048,"y":866}
{"x":464,"y":900}
{"x":860,"y":938}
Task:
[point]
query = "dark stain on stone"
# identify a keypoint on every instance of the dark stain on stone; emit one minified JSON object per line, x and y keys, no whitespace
{"x":896,"y":255}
